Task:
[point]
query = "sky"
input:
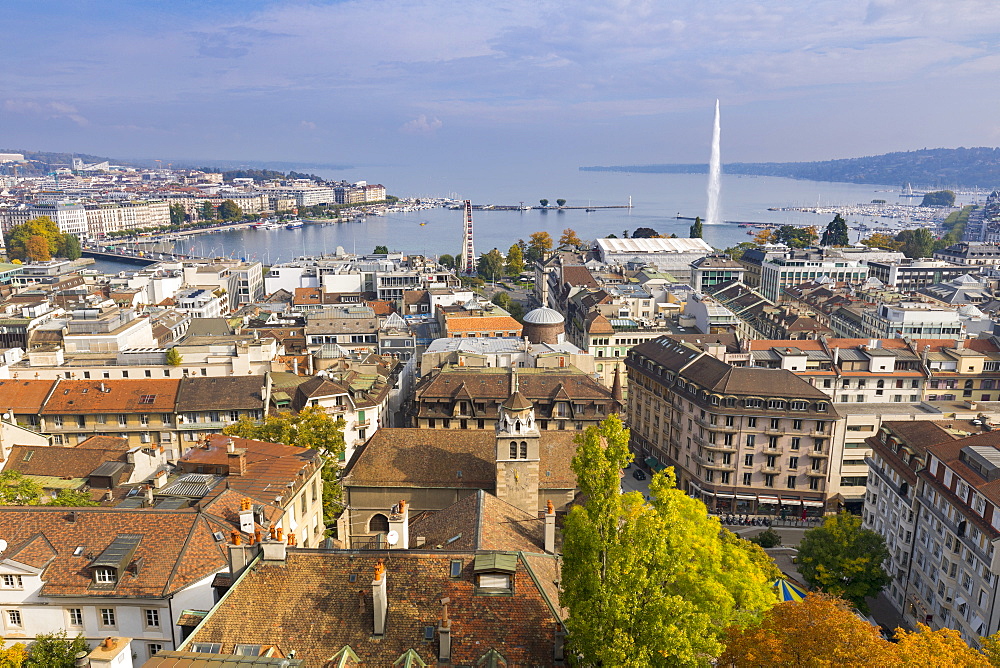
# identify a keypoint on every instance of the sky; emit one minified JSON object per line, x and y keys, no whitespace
{"x":425,"y":83}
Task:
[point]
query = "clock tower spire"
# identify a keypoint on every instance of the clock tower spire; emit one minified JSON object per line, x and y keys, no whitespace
{"x":517,"y":448}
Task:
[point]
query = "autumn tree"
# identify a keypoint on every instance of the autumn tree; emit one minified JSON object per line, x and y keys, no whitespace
{"x":490,"y":265}
{"x":835,"y":233}
{"x":13,"y":656}
{"x":515,"y":260}
{"x":696,"y":229}
{"x":18,"y":490}
{"x":820,"y":630}
{"x":798,"y":237}
{"x":539,"y":246}
{"x":569,"y":238}
{"x":940,"y":648}
{"x":881,"y":240}
{"x":842,"y":558}
{"x":312,"y":427}
{"x":36,"y":249}
{"x":17,"y":238}
{"x":649,"y":583}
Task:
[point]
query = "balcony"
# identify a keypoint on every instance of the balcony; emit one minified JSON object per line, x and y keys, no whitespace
{"x":768,"y":450}
{"x":819,"y":454}
{"x":770,"y":470}
{"x":718,"y":466}
{"x":813,"y":473}
{"x":774,"y":430}
{"x":820,"y":434}
{"x":720,"y":447}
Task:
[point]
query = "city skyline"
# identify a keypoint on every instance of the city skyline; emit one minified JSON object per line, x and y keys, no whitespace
{"x":420,"y":84}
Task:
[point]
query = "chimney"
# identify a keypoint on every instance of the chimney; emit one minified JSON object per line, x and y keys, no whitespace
{"x":237,"y":460}
{"x":399,"y":521}
{"x":113,"y":651}
{"x":160,"y":479}
{"x":295,"y":365}
{"x":836,"y":356}
{"x":81,"y":660}
{"x":230,"y":446}
{"x":380,"y":599}
{"x":147,"y":491}
{"x":246,"y":516}
{"x":444,"y":633}
{"x":240,"y":556}
{"x":274,"y":550}
{"x":550,"y":528}
{"x":959,"y":344}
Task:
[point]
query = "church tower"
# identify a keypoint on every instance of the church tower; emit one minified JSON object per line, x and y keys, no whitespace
{"x":517,"y":443}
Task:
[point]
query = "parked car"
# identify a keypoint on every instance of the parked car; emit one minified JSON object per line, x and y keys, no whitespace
{"x":639,"y":474}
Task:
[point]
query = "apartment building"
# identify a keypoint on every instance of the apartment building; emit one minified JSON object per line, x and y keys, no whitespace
{"x":69,"y":216}
{"x":742,"y":439}
{"x":104,"y":218}
{"x":796,"y":267}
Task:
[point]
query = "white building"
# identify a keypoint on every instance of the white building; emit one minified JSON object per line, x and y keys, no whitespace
{"x":673,"y":256}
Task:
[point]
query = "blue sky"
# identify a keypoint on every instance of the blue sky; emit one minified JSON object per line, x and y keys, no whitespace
{"x":432,"y":81}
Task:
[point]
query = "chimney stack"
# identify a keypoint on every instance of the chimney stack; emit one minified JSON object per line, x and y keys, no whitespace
{"x":399,"y":521}
{"x":380,"y":599}
{"x":113,"y":651}
{"x":147,"y":491}
{"x":550,"y":528}
{"x":444,"y":633}
{"x":246,"y":516}
{"x":237,"y":460}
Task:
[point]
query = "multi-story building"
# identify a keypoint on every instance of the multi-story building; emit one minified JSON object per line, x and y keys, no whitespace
{"x":970,"y":253}
{"x":796,"y":267}
{"x":104,"y":218}
{"x":743,"y":439}
{"x":913,"y":320}
{"x":715,"y":269}
{"x":102,"y":330}
{"x":910,"y":275}
{"x":71,"y":217}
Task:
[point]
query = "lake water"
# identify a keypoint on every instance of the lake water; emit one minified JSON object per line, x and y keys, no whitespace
{"x":657,"y":200}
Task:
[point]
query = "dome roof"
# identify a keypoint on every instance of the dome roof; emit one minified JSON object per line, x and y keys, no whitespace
{"x":544,"y":316}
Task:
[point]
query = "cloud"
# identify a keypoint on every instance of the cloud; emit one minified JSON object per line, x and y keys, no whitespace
{"x":307,"y":125}
{"x":421,"y":125}
{"x":49,"y":110}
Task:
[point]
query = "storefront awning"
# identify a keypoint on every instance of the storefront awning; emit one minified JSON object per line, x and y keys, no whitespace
{"x":790,"y":502}
{"x":813,"y":504}
{"x":746,"y":497}
{"x":723,"y":495}
{"x":768,"y":499}
{"x":654,"y":464}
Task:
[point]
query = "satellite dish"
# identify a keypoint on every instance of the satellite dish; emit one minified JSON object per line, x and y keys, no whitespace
{"x":392,"y":538}
{"x":3,"y":545}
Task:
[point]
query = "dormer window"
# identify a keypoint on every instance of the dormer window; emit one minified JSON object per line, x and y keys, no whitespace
{"x":104,"y":575}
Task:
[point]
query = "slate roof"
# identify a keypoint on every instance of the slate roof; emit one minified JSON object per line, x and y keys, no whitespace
{"x":318,"y":622}
{"x":220,"y":393}
{"x":176,"y":548}
{"x":451,"y":458}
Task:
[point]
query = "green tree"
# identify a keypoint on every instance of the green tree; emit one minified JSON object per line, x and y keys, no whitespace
{"x":230,"y":210}
{"x":381,"y":250}
{"x":515,"y":260}
{"x":17,"y":237}
{"x":490,"y":265}
{"x":55,"y":650}
{"x":649,"y":584}
{"x":206,"y":211}
{"x":916,"y":243}
{"x":797,"y":237}
{"x":539,"y":246}
{"x":18,"y":490}
{"x":737,"y":251}
{"x":844,"y":559}
{"x":178,"y":215}
{"x":696,"y":229}
{"x":939,"y":198}
{"x":543,"y":202}
{"x":447,"y":261}
{"x":560,"y":202}
{"x":68,"y":497}
{"x":69,"y":247}
{"x":174,"y":357}
{"x":644,"y":233}
{"x":312,"y":427}
{"x":835,"y":233}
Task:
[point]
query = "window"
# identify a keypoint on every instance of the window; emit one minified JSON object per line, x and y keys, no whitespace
{"x":147,"y":398}
{"x":524,"y":449}
{"x":796,"y":442}
{"x":775,"y":423}
{"x":747,"y":479}
{"x":247,"y":650}
{"x":123,"y":420}
{"x":751,"y":440}
{"x":456,"y":568}
{"x":751,"y":422}
{"x":152,"y":617}
{"x":75,"y":616}
{"x":206,"y":647}
{"x":494,"y":581}
{"x":513,"y":449}
{"x":14,"y":618}
{"x":12,"y":582}
{"x":791,"y":482}
{"x":793,"y":462}
{"x":797,"y":425}
{"x":107,"y":616}
{"x":104,"y":576}
{"x":379,"y":523}
{"x":154,"y":648}
{"x":748,"y":459}
{"x":769,"y":480}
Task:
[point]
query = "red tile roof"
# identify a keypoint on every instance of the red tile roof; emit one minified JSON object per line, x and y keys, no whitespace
{"x":112,"y":396}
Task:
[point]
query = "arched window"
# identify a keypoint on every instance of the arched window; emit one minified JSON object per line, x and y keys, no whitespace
{"x":513,"y":449}
{"x":379,"y":523}
{"x":524,"y":449}
{"x":880,"y":384}
{"x":968,"y":385}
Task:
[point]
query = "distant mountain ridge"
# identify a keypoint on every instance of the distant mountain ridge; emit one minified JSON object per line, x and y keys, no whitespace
{"x":926,"y":168}
{"x":57,"y":158}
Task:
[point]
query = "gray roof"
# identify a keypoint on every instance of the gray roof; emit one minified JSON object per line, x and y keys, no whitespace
{"x":544,"y":316}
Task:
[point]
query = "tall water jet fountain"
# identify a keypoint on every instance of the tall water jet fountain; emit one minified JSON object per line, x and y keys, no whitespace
{"x":712,"y":215}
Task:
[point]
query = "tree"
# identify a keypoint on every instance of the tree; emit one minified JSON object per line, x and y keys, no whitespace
{"x":312,"y":427}
{"x":512,"y":306}
{"x":539,"y":246}
{"x":230,"y":210}
{"x":569,"y":238}
{"x":644,"y":233}
{"x":696,"y":231}
{"x":881,"y":240}
{"x":174,"y":357}
{"x":560,"y":202}
{"x":37,"y":249}
{"x":206,"y":211}
{"x":844,"y":559}
{"x":381,"y":250}
{"x":916,"y":243}
{"x":17,"y":237}
{"x":490,"y":265}
{"x":515,"y":260}
{"x":543,"y":202}
{"x":447,"y":261}
{"x":649,"y":583}
{"x":798,"y":237}
{"x":178,"y":215}
{"x":72,"y":498}
{"x":737,"y":251}
{"x":943,"y":647}
{"x":69,"y":247}
{"x":55,"y":650}
{"x":817,"y":631}
{"x":939,"y":198}
{"x":766,"y":236}
{"x":835,"y":233}
{"x":17,"y":490}
{"x":13,"y":656}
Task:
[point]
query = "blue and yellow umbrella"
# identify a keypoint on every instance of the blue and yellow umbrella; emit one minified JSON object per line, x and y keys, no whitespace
{"x":786,"y":591}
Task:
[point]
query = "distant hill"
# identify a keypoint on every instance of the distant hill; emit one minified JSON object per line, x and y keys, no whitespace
{"x":926,"y":168}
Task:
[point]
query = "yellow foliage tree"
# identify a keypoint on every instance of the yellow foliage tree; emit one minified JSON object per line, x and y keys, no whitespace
{"x":766,"y":237}
{"x":569,"y":238}
{"x":13,"y":656}
{"x":881,"y":240}
{"x":935,"y":649}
